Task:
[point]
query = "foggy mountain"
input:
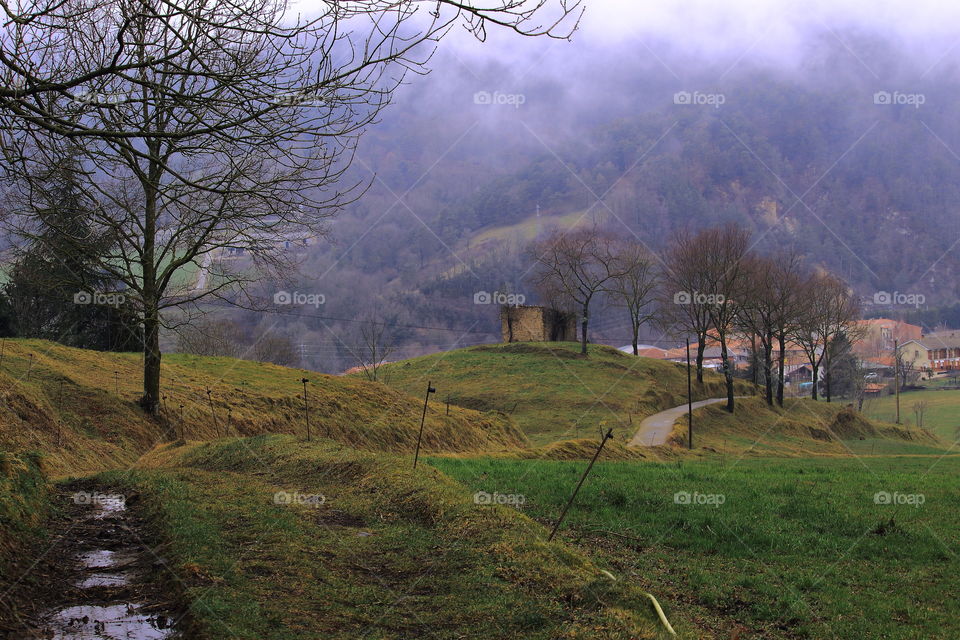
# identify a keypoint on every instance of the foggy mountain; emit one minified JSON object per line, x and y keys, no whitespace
{"x":848,"y":153}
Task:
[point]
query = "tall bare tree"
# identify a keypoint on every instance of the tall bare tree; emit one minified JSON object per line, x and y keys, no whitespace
{"x":829,"y":310}
{"x":757,"y":312}
{"x":576,"y":268}
{"x":788,"y":272}
{"x":724,"y":250}
{"x":373,"y":346}
{"x":684,"y":304}
{"x":203,"y":127}
{"x":635,"y":287}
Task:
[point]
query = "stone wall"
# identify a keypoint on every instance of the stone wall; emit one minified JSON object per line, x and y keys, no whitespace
{"x":536,"y":324}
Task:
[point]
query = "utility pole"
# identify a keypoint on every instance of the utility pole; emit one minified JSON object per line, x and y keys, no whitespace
{"x":689,"y":400}
{"x":896,"y":374}
{"x":423,"y":418}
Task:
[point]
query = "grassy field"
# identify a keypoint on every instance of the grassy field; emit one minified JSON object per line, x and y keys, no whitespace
{"x":942,"y":413}
{"x":787,"y":548}
{"x":549,"y":390}
{"x":383,"y":552}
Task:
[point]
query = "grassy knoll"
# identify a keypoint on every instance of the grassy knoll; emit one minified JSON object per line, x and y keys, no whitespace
{"x":942,"y":413}
{"x":79,"y":407}
{"x":798,"y":548}
{"x":390,"y":553}
{"x":549,"y":390}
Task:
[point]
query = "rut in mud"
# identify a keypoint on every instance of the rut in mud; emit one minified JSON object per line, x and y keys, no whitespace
{"x":97,"y":577}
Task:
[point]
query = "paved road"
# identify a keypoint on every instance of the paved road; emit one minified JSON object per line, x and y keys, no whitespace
{"x":655,"y":429}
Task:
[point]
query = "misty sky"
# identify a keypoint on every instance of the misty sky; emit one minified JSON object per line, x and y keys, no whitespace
{"x":774,"y":31}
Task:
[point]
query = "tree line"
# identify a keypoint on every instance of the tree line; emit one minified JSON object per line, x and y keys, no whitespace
{"x":712,"y":286}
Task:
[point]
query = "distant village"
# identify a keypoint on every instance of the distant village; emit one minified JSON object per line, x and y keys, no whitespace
{"x":880,"y":344}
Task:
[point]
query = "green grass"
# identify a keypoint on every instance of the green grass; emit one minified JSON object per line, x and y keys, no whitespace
{"x":797,"y":549}
{"x":942,"y":413}
{"x":390,"y":553}
{"x":551,"y":392}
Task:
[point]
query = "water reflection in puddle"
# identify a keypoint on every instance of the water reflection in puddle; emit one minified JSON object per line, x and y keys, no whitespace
{"x":111,"y":622}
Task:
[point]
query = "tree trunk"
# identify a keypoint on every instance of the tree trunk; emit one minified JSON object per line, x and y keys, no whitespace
{"x":151,"y":362}
{"x":816,"y":374}
{"x":727,"y":372}
{"x":636,"y":333}
{"x":768,"y":368}
{"x":583,"y":331}
{"x":826,"y":379}
{"x":150,"y":293}
{"x":781,"y":366}
{"x":700,"y":348}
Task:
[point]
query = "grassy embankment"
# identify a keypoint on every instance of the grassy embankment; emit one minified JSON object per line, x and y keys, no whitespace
{"x":77,"y":410}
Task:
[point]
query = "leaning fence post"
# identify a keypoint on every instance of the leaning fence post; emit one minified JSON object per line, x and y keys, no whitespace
{"x":423,"y":418}
{"x":181,"y":424}
{"x":580,"y":484}
{"x":306,"y":408}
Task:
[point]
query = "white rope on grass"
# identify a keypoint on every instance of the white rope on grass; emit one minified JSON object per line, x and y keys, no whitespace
{"x":656,"y":605}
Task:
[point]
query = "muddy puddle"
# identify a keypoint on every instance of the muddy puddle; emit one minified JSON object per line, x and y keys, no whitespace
{"x":105,"y":592}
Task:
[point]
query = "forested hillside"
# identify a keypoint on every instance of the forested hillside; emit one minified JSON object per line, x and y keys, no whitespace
{"x":853,"y":163}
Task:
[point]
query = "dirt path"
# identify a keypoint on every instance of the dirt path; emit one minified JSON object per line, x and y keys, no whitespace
{"x":96,"y":577}
{"x":655,"y":429}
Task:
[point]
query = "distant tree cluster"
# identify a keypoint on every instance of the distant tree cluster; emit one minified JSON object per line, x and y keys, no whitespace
{"x":710,"y":285}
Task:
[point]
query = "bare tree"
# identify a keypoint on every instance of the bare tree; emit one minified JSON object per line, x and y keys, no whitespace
{"x":829,"y":310}
{"x":278,"y":349}
{"x":758,"y":312}
{"x":919,"y":408}
{"x":211,"y":337}
{"x":634,"y":288}
{"x":576,"y":267}
{"x":684,"y":303}
{"x":202,"y":127}
{"x":724,"y":252}
{"x":373,"y":347}
{"x":787,"y":271}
